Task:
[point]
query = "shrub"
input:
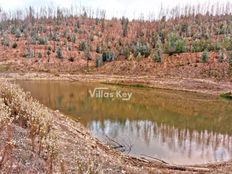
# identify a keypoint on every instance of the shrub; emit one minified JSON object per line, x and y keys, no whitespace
{"x":227,"y":95}
{"x":14,"y":45}
{"x":125,"y":23}
{"x":174,"y":44}
{"x":49,"y":48}
{"x":13,"y":30}
{"x":97,"y":21}
{"x":180,"y":46}
{"x":17,"y":33}
{"x":54,"y":37}
{"x":78,"y":25}
{"x":108,"y":56}
{"x":69,"y":48}
{"x":59,"y":53}
{"x":204,"y":56}
{"x":65,"y":41}
{"x":43,"y":41}
{"x":82,"y":46}
{"x":99,"y":61}
{"x":126,"y":52}
{"x":221,"y":56}
{"x":6,"y":42}
{"x":65,"y":33}
{"x":214,"y":46}
{"x":227,"y":43}
{"x":198,"y":46}
{"x":98,"y":49}
{"x":76,"y":30}
{"x":33,"y":40}
{"x":74,"y":38}
{"x":184,"y":27}
{"x":141,"y":50}
{"x":157,"y":57}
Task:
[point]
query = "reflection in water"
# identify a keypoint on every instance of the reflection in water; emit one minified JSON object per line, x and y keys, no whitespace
{"x":178,"y":127}
{"x":166,"y":142}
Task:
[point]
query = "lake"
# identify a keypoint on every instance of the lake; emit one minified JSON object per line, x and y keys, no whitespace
{"x":177,"y":127}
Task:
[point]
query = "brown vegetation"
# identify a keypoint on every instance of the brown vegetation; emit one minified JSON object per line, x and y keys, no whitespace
{"x":190,"y":42}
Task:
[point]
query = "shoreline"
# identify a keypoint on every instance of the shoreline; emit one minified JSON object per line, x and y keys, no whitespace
{"x":204,"y":86}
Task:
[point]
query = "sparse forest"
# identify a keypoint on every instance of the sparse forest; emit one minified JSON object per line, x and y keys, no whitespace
{"x":83,"y":40}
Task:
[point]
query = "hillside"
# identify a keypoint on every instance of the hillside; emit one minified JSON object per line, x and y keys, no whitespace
{"x":185,"y":44}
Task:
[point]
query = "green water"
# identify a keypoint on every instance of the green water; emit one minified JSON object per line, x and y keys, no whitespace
{"x":177,"y":127}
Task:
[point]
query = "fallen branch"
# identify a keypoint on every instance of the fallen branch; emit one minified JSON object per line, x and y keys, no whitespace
{"x":119,"y":146}
{"x":176,"y":167}
{"x":143,"y":155}
{"x":191,"y":169}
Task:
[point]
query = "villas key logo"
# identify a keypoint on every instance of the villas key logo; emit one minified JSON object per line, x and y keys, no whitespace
{"x":103,"y":92}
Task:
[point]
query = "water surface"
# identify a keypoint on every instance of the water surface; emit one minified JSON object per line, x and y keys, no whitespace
{"x":177,"y":127}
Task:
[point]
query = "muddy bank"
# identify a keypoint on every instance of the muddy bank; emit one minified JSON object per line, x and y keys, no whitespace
{"x":206,"y":86}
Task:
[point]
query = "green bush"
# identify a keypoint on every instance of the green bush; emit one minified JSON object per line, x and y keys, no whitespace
{"x":141,"y":49}
{"x":124,"y":22}
{"x":108,"y":56}
{"x":126,"y":52}
{"x":157,"y":57}
{"x":180,"y":46}
{"x":59,"y":53}
{"x":82,"y":46}
{"x":54,"y":37}
{"x":74,"y":38}
{"x":17,"y":33}
{"x":227,"y":95}
{"x":65,"y":41}
{"x":204,"y":56}
{"x":99,"y":61}
{"x":43,"y":41}
{"x":174,"y":44}
{"x":65,"y":33}
{"x":34,"y":40}
{"x":227,"y":43}
{"x":184,"y":27}
{"x":49,"y":48}
{"x":69,"y":48}
{"x":198,"y":46}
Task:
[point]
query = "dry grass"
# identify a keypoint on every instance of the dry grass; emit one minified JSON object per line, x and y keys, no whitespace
{"x":20,"y":109}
